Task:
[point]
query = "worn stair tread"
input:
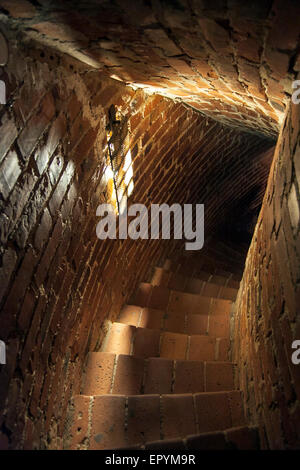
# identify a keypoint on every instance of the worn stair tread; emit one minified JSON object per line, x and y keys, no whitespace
{"x":192,"y":284}
{"x":114,"y":421}
{"x":214,"y":319}
{"x":119,"y":421}
{"x":145,"y":342}
{"x":239,"y":438}
{"x":111,"y":373}
{"x":160,"y":297}
{"x":163,"y":379}
{"x":210,"y":262}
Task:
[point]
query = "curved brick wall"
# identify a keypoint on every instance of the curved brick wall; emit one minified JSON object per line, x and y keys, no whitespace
{"x":266,"y":320}
{"x":232,"y":60}
{"x":58,"y":281}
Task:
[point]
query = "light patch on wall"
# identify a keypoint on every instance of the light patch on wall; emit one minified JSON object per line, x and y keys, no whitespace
{"x":119,"y":182}
{"x":128,"y":170}
{"x":119,"y":170}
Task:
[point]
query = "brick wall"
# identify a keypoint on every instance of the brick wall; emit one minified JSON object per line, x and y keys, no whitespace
{"x":232,"y":60}
{"x":58,"y":281}
{"x":266,"y":321}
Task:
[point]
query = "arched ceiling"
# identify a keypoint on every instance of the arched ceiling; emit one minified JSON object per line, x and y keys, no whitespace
{"x":230,"y":59}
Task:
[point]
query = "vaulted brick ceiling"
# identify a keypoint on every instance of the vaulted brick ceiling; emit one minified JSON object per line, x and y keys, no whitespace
{"x":230,"y":59}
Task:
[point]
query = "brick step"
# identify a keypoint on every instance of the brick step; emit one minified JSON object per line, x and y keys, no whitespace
{"x":238,"y":438}
{"x":214,"y":319}
{"x":226,"y":251}
{"x":191,"y":265}
{"x":163,"y":298}
{"x":144,"y":342}
{"x":200,"y":281}
{"x":118,"y":421}
{"x":122,"y":374}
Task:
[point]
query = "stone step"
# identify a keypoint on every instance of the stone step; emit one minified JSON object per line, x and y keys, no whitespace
{"x":144,"y":342}
{"x":122,"y":374}
{"x":238,"y":438}
{"x":118,"y":421}
{"x":163,"y":298}
{"x":200,"y":281}
{"x":213,"y":318}
{"x":191,"y":265}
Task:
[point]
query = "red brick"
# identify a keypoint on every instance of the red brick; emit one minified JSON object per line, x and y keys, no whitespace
{"x":80,"y":422}
{"x":202,"y":305}
{"x":49,"y":253}
{"x":174,"y":322}
{"x":219,"y":325}
{"x":194,"y":286}
{"x":142,"y":295}
{"x":8,"y":133}
{"x":220,"y":306}
{"x":158,"y":377}
{"x":173,"y":346}
{"x":211,"y":290}
{"x":181,"y":302}
{"x":178,"y":417}
{"x":56,"y":133}
{"x":18,"y":291}
{"x":43,"y":230}
{"x":108,"y":422}
{"x":160,"y":277}
{"x":143,"y":423}
{"x":99,"y":373}
{"x":27,"y":310}
{"x":166,"y":444}
{"x":243,"y":438}
{"x":130,"y":315}
{"x":10,"y":172}
{"x":19,"y":9}
{"x":207,"y":441}
{"x":128,"y":377}
{"x":119,"y":339}
{"x":9,"y":260}
{"x":61,"y":188}
{"x":213,"y":411}
{"x":202,"y":348}
{"x":236,"y":408}
{"x":36,"y":125}
{"x":218,"y":279}
{"x":223,"y":348}
{"x":159,"y":297}
{"x":229,"y":293}
{"x":197,"y":324}
{"x":146,"y":343}
{"x":177,"y":282}
{"x":152,"y":318}
{"x":218,"y":376}
{"x":189,"y":377}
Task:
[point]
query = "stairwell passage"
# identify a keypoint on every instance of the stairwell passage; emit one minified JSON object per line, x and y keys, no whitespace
{"x":163,"y":378}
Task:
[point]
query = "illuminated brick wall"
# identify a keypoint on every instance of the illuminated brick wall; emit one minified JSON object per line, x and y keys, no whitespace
{"x":266,"y":320}
{"x":58,"y":281}
{"x":233,"y":60}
